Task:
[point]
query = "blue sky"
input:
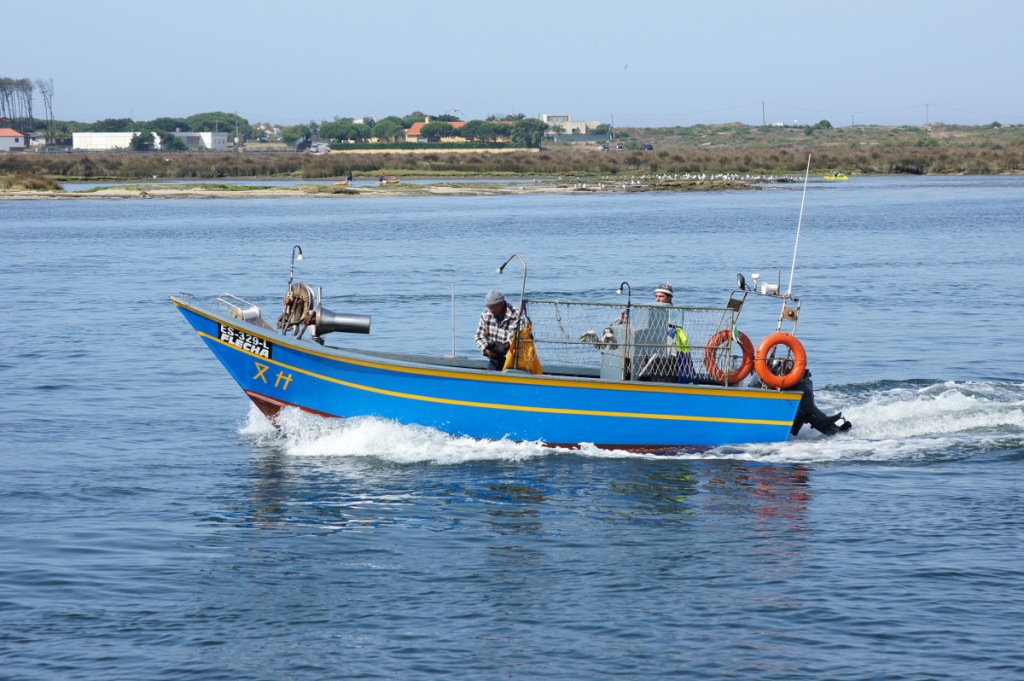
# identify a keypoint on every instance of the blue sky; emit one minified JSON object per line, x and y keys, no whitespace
{"x":642,"y":63}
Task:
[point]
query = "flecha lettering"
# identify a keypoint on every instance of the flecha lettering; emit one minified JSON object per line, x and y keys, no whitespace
{"x":244,"y":341}
{"x":256,"y":347}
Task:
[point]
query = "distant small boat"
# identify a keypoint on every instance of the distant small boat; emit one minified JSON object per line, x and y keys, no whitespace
{"x":836,"y":176}
{"x":384,"y":182}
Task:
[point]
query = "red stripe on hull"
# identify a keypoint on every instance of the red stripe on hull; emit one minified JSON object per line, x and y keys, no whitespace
{"x":271,"y":407}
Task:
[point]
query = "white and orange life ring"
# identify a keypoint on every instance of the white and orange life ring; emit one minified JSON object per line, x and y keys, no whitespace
{"x":711,"y":358}
{"x":794,"y":375}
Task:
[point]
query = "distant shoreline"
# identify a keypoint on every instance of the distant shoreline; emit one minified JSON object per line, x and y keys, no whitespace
{"x":710,"y":150}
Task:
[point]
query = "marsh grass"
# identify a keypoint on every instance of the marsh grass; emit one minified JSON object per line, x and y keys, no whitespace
{"x":734,"y":148}
{"x":553,"y":163}
{"x":22,"y":182}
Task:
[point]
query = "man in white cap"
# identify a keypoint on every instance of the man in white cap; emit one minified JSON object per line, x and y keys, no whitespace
{"x":663,"y":294}
{"x":496,"y":329}
{"x":655,"y":336}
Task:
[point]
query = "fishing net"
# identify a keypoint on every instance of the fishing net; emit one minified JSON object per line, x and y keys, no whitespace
{"x":638,"y":342}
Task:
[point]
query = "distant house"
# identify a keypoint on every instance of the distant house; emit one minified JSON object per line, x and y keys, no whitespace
{"x":11,"y":140}
{"x":415,"y":134}
{"x":314,"y":144}
{"x":562,"y":124}
{"x":265,"y":132}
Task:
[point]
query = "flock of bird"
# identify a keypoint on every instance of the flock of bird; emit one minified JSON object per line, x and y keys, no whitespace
{"x":659,"y":178}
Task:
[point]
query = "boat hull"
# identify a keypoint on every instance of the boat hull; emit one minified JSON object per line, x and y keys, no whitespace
{"x":277,"y":371}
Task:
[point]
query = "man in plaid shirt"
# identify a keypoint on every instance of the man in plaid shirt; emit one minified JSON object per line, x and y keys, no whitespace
{"x":496,"y":329}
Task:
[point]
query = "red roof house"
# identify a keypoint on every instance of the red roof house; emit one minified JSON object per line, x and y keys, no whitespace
{"x":413,"y":134}
{"x":11,"y":139}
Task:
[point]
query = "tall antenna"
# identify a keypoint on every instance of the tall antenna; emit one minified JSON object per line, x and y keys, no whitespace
{"x":799,"y":221}
{"x":453,"y":319}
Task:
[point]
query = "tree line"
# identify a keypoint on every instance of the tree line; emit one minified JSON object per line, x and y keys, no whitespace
{"x":17,"y":97}
{"x":516,"y":130}
{"x":16,"y":102}
{"x":17,"y":107}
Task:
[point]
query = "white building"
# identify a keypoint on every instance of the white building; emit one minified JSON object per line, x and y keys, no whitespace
{"x":103,"y":141}
{"x":566,"y":126}
{"x":203,"y":140}
{"x":11,"y":139}
{"x":108,"y":141}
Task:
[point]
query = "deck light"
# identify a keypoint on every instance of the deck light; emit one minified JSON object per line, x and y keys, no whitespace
{"x":291,"y":272}
{"x":629,"y":292}
{"x":501,"y":270}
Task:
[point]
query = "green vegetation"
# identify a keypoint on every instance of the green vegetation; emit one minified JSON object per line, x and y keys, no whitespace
{"x":588,"y":161}
{"x":60,"y":132}
{"x":367,"y":146}
{"x":21,"y":182}
{"x":825,"y":135}
{"x":143,"y":141}
{"x":936,"y":148}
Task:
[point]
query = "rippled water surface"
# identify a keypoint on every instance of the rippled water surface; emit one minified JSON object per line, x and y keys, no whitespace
{"x":155,"y":526}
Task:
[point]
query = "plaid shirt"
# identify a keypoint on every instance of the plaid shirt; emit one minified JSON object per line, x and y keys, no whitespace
{"x":490,"y":329}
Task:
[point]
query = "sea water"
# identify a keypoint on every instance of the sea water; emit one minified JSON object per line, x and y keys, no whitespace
{"x":155,"y":526}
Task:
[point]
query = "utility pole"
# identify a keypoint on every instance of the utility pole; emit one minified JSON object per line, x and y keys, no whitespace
{"x":764,"y":121}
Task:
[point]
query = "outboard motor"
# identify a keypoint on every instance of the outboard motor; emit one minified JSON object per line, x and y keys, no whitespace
{"x":808,"y":412}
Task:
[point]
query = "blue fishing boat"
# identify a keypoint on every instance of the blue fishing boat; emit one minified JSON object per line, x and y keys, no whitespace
{"x":617,"y":375}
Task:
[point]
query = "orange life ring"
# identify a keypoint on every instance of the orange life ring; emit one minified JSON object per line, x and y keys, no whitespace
{"x":711,"y":358}
{"x":799,"y":361}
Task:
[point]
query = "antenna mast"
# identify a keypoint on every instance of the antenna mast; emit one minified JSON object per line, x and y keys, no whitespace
{"x":799,"y":222}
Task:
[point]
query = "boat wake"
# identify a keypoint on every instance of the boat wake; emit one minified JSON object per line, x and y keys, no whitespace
{"x":893,"y":422}
{"x":905,"y":422}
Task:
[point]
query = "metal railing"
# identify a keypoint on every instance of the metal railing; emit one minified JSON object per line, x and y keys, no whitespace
{"x":678,"y":344}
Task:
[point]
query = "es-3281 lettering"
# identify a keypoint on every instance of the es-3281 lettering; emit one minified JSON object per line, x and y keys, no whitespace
{"x":245,"y":341}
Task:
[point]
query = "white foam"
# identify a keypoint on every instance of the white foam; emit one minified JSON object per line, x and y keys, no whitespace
{"x":905,"y":423}
{"x":940,"y":409}
{"x":302,"y":434}
{"x":902,"y":423}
